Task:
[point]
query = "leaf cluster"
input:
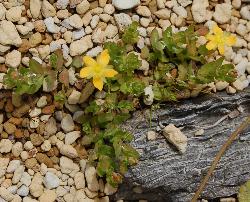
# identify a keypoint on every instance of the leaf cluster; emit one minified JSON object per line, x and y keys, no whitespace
{"x":29,"y":80}
{"x":126,"y":62}
{"x":131,"y":34}
{"x":25,"y":80}
{"x":180,"y":64}
{"x":112,"y":152}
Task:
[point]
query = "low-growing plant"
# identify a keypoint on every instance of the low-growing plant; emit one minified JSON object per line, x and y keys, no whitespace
{"x":173,"y":52}
{"x":28,"y":80}
{"x":112,"y":151}
{"x":176,"y":63}
{"x":25,"y":80}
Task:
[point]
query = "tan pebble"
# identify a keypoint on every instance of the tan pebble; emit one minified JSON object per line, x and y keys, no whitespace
{"x":39,"y":26}
{"x":48,"y":109}
{"x":42,"y":158}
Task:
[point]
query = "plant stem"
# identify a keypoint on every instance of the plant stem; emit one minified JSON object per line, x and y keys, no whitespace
{"x":229,"y":141}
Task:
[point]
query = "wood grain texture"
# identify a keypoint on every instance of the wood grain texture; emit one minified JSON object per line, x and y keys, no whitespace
{"x":165,"y":175}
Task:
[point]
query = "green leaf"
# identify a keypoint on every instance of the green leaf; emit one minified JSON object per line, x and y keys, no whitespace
{"x":120,"y":118}
{"x":53,"y":60}
{"x":216,"y":71}
{"x":10,"y":78}
{"x":131,"y":62}
{"x":163,"y":94}
{"x":128,"y":63}
{"x":103,"y":149}
{"x":60,"y":96}
{"x":35,"y":67}
{"x":92,"y":108}
{"x":154,"y":38}
{"x":207,"y":73}
{"x":182,"y":72}
{"x":105,"y":165}
{"x":122,"y":62}
{"x":125,"y":104}
{"x":145,"y":52}
{"x":131,"y":86}
{"x":116,"y":53}
{"x":116,"y":133}
{"x":174,"y":42}
{"x":105,"y":118}
{"x":86,"y":127}
{"x":226,"y":73}
{"x":111,"y":101}
{"x":202,"y":50}
{"x":244,"y":192}
{"x":114,"y":179}
{"x":130,"y":153}
{"x":30,"y":87}
{"x":50,"y":79}
{"x":158,"y":47}
{"x":56,"y":59}
{"x":23,"y":80}
{"x":131,"y":34}
{"x":162,"y":69}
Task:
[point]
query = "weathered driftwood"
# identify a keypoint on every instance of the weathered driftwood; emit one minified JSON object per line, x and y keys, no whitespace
{"x":165,"y":175}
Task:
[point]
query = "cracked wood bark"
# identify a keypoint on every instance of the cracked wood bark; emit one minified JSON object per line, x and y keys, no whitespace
{"x":165,"y":175}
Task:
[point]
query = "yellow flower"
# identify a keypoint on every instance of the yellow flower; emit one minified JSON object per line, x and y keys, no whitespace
{"x":98,"y":70}
{"x":219,"y":39}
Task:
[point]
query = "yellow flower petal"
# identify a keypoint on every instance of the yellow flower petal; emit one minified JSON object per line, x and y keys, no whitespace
{"x":98,"y":83}
{"x":88,"y":61}
{"x":231,"y":40}
{"x":221,"y":49}
{"x":103,"y":58}
{"x":211,"y":45}
{"x":110,"y":73}
{"x":210,"y":37}
{"x":85,"y":72}
{"x":217,"y":30}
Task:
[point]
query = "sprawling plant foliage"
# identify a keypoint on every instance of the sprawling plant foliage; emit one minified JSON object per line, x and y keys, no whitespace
{"x":29,"y":80}
{"x":179,"y":64}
